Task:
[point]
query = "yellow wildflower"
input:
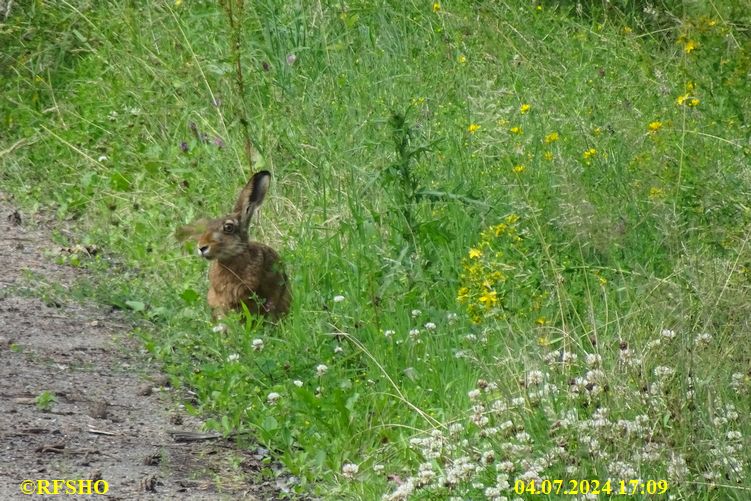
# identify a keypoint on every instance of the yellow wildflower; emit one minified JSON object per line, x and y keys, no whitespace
{"x":597,"y":131}
{"x":602,"y":280}
{"x":627,"y":30}
{"x":589,"y":153}
{"x":516,"y":130}
{"x":489,"y":298}
{"x":475,"y":253}
{"x":653,"y":127}
{"x":689,"y":46}
{"x":655,"y":193}
{"x":497,"y":276}
{"x":463,"y":294}
{"x":512,"y":218}
{"x":524,"y":108}
{"x":690,"y":86}
{"x":519,"y":169}
{"x":552,"y":137}
{"x":543,"y":340}
{"x":178,"y":3}
{"x":436,"y":7}
{"x":472,"y":128}
{"x":686,"y":99}
{"x":462,"y":59}
{"x":548,"y":155}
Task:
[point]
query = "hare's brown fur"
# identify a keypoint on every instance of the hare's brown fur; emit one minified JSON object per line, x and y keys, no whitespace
{"x":253,"y":277}
{"x":242,"y":272}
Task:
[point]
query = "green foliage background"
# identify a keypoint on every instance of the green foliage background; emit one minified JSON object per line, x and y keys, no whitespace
{"x":397,"y":133}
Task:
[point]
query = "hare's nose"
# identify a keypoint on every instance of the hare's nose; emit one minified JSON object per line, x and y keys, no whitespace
{"x":203,"y":249}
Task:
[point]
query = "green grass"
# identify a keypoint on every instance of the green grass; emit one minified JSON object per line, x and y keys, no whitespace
{"x":612,"y":143}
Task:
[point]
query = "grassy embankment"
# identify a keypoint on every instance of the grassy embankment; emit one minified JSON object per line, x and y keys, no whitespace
{"x":534,"y":220}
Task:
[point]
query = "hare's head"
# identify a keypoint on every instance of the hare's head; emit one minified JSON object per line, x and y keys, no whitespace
{"x":226,"y":237}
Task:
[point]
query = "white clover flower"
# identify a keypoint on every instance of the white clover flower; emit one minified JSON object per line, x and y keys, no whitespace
{"x":595,"y":376}
{"x":414,"y":333}
{"x":338,"y":349}
{"x":734,"y":435}
{"x":506,"y":425}
{"x":233,"y":358}
{"x":388,"y":333}
{"x":378,"y":468}
{"x":452,"y":317}
{"x":523,"y":436}
{"x":349,"y":470}
{"x":473,"y":394}
{"x":499,"y":406}
{"x":535,"y":377}
{"x":505,"y":467}
{"x":273,"y":397}
{"x":677,"y":467}
{"x":455,"y":428}
{"x":297,"y":383}
{"x":569,"y":358}
{"x":518,"y":402}
{"x":501,"y":482}
{"x":492,"y":492}
{"x":622,"y":470}
{"x":257,"y":344}
{"x":653,"y":344}
{"x":402,"y":493}
{"x":219,"y":328}
{"x":321,"y":369}
{"x":338,"y":299}
{"x":430,"y":326}
{"x":703,"y":339}
{"x":102,"y":158}
{"x":593,"y":360}
{"x":425,"y":474}
{"x":731,"y":413}
{"x":667,"y":333}
{"x":738,"y":382}
{"x":416,"y":313}
{"x":719,"y":421}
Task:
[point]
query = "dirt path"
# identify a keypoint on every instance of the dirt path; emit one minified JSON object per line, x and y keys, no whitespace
{"x":110,"y":417}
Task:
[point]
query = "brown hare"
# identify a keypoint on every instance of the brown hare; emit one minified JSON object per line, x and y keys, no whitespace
{"x":242,"y":271}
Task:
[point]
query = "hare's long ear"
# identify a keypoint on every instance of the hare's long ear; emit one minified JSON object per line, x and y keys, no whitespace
{"x":252,"y":196}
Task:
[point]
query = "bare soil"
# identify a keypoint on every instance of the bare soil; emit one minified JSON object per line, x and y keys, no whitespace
{"x":112,"y":414}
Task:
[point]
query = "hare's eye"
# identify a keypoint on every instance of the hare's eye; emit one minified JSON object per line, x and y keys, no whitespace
{"x":228,"y":228}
